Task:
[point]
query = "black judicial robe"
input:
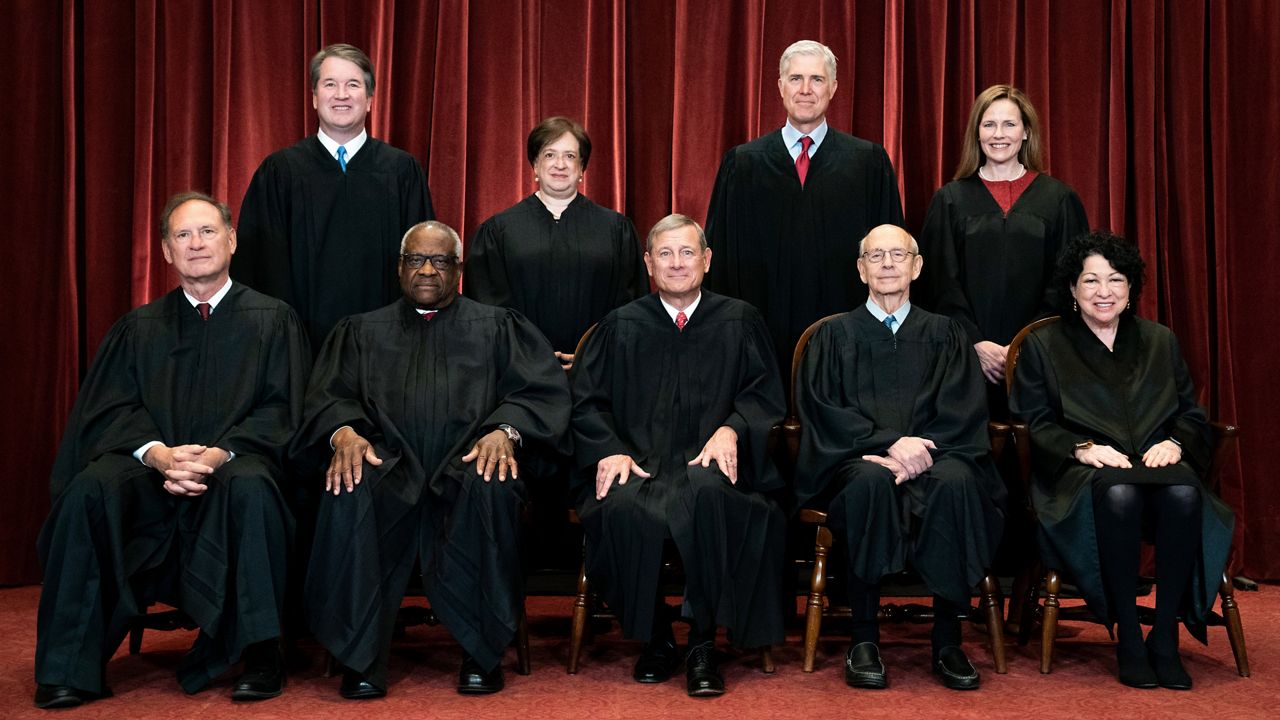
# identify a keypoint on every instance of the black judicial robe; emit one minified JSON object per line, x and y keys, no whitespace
{"x":990,"y":271}
{"x":116,"y":542}
{"x":645,"y":389}
{"x":326,"y":241}
{"x":563,"y":275}
{"x":1070,"y":388}
{"x":789,"y":250}
{"x":858,"y":390}
{"x":422,"y":393}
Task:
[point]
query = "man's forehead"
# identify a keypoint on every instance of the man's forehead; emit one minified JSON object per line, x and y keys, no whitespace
{"x":886,"y":240}
{"x":429,"y":241}
{"x":339,"y":68}
{"x":811,"y":65}
{"x":195,"y":211}
{"x":680,"y":237}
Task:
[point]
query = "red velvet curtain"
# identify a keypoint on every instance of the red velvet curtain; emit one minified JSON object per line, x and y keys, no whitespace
{"x":1162,"y":115}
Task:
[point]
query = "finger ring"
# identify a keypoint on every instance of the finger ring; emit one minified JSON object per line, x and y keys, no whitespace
{"x":502,"y":457}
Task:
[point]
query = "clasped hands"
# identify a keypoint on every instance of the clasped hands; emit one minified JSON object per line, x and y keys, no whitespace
{"x":906,"y":458}
{"x":350,"y":451}
{"x":185,"y":467}
{"x":722,"y":448}
{"x":1162,"y":454}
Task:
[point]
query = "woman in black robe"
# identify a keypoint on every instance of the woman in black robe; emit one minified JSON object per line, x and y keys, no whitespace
{"x":1120,"y":446}
{"x":992,"y":234}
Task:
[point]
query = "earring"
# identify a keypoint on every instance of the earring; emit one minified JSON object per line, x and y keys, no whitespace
{"x":1128,"y":305}
{"x":1074,"y":306}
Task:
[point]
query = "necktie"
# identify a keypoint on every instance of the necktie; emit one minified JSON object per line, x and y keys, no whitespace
{"x":681,"y":319}
{"x":802,"y":160}
{"x":889,"y":322}
{"x":204,"y":311}
{"x":429,"y":315}
{"x":342,"y":157}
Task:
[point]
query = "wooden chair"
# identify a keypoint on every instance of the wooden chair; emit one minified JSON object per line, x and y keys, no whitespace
{"x":818,"y":608}
{"x":1224,"y":444}
{"x":587,"y":605}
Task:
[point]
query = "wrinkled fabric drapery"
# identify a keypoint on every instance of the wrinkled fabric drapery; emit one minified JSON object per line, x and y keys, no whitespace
{"x":1160,"y":114}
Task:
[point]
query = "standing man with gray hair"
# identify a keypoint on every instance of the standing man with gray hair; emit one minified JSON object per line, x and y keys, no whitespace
{"x":322,"y":219}
{"x":788,"y":206}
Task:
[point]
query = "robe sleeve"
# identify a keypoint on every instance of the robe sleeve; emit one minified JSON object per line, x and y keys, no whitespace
{"x":277,"y":411}
{"x":1071,"y":222}
{"x":1189,"y":426}
{"x":108,"y":416}
{"x":721,"y":233}
{"x":533,"y":394}
{"x":485,"y":278}
{"x":959,"y":420}
{"x":416,"y":194}
{"x":595,"y":434}
{"x":1034,"y":400}
{"x":887,"y":202}
{"x":941,"y":282}
{"x":333,"y":397}
{"x":263,"y":243}
{"x":636,"y":283}
{"x":758,"y":406}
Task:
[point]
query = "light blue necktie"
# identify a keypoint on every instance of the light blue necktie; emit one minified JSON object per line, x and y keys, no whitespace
{"x":342,"y":157}
{"x":889,"y":321}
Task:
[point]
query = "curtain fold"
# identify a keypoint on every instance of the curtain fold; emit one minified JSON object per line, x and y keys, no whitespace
{"x":1162,"y":115}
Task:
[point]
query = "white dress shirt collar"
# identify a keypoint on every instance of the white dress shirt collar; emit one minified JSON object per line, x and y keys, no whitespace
{"x":353,"y":145}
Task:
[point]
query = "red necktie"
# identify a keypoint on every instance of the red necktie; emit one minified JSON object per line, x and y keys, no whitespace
{"x":802,"y":160}
{"x":681,"y":319}
{"x":429,"y":315}
{"x":204,"y":311}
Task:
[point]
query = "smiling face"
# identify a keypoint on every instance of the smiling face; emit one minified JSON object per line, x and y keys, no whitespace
{"x":677,"y":262}
{"x":1101,"y":291}
{"x":806,"y":91}
{"x":559,"y":167}
{"x":199,"y":246}
{"x":889,"y":280}
{"x":1001,"y":132}
{"x":427,"y":287}
{"x":341,"y":99}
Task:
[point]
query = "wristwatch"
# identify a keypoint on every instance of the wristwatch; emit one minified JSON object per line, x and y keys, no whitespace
{"x":512,"y":434}
{"x":1081,"y":446}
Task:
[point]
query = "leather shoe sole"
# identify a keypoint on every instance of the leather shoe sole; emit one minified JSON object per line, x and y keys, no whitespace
{"x":49,"y":697}
{"x":863,"y":668}
{"x":955,"y":670}
{"x":356,"y":687}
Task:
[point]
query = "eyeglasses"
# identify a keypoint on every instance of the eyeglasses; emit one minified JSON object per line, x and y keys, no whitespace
{"x":876,"y":256}
{"x":439,"y":262}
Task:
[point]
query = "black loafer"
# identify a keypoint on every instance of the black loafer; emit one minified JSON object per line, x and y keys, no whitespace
{"x":263,"y":677}
{"x":357,"y":687}
{"x":1168,"y":669}
{"x":954,"y":669}
{"x":49,"y":697}
{"x":657,"y":661}
{"x":702,"y":672}
{"x":863,"y":669}
{"x":473,"y":680}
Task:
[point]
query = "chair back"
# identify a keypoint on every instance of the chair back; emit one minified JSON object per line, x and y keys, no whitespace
{"x":1015,"y":347}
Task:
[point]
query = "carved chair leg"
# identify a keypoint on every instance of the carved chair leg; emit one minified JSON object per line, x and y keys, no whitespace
{"x":1235,"y":630}
{"x":522,"y":643}
{"x":766,"y":660}
{"x":1049,"y":623}
{"x":579,"y":620}
{"x":817,"y":588}
{"x":990,"y":606}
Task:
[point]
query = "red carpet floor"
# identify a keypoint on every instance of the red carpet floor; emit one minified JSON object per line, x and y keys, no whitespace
{"x":425,"y":662}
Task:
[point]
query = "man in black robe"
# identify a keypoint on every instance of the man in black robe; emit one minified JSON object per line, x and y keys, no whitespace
{"x":321,"y":222}
{"x":165,"y":485}
{"x":786,"y":204}
{"x":674,"y":398}
{"x":424,"y":404}
{"x":894,"y":445}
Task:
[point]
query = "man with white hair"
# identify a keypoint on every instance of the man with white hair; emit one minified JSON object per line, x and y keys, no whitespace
{"x":424,"y":407}
{"x":787,"y":204}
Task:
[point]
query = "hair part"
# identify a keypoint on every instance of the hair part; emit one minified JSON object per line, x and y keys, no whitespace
{"x":438,"y":227}
{"x":808,"y":47}
{"x":1122,"y":254}
{"x":1031,"y":154}
{"x":185,"y":197}
{"x":674,"y":221}
{"x":347,"y":52}
{"x":551,"y":130}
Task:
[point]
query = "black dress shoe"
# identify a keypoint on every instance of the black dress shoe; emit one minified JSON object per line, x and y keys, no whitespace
{"x":702,"y":672}
{"x":357,"y":687}
{"x":863,"y":669}
{"x":263,"y":677}
{"x":657,"y":661}
{"x":473,"y":680}
{"x":49,"y":697}
{"x":1168,"y":668}
{"x":1134,"y":669}
{"x":954,"y":669}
